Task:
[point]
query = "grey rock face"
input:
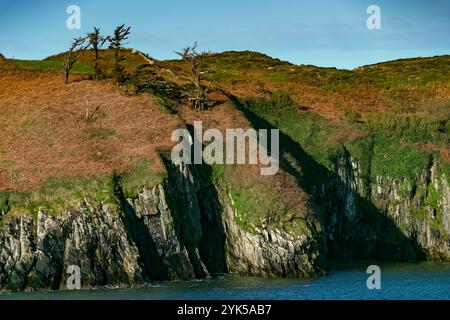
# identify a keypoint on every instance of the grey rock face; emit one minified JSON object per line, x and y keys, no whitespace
{"x":36,"y":254}
{"x":269,"y":253}
{"x":181,"y":229}
{"x":387,"y":218}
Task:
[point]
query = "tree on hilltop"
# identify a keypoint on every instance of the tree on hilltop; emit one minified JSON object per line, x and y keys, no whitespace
{"x":198,"y":72}
{"x":76,"y":48}
{"x":96,"y":41}
{"x":116,"y":43}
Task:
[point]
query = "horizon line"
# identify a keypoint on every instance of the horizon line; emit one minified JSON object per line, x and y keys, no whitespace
{"x":248,"y":50}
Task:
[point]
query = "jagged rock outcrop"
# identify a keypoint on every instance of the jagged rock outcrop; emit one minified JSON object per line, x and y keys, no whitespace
{"x":270,"y":253}
{"x":420,"y":208}
{"x":36,"y":254}
{"x":387,"y":218}
{"x":182,"y":228}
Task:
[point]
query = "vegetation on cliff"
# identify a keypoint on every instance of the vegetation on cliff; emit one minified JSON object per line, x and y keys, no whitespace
{"x":62,"y":144}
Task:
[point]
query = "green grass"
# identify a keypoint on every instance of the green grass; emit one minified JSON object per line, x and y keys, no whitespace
{"x":416,"y":71}
{"x":60,"y":194}
{"x":391,"y":77}
{"x":232,"y":66}
{"x":351,"y":116}
{"x":308,"y":129}
{"x":277,"y":77}
{"x":141,"y":176}
{"x":256,"y":203}
{"x":87,"y":58}
{"x":444,"y":168}
{"x":55,"y":66}
{"x":391,"y":159}
{"x":413,"y":127}
{"x":377,"y":152}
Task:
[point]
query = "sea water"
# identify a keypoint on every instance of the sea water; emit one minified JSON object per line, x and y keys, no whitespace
{"x":424,"y":280}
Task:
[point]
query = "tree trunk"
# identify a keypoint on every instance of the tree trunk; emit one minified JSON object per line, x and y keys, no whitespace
{"x":66,"y":76}
{"x":97,"y":72}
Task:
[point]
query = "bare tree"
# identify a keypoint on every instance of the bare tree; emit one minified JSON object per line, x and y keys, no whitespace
{"x":90,"y":113}
{"x":197,"y":73}
{"x":76,"y":48}
{"x":96,"y":41}
{"x":116,"y":43}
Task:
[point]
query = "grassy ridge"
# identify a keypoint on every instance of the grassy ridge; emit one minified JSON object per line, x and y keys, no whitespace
{"x":55,"y":66}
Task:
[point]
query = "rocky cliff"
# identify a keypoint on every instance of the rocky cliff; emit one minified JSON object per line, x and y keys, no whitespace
{"x":394,"y":218}
{"x":183,"y":228}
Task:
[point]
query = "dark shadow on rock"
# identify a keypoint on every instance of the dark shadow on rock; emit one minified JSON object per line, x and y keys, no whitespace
{"x":150,"y":260}
{"x":370,"y":235}
{"x":197,"y":215}
{"x":196,"y":210}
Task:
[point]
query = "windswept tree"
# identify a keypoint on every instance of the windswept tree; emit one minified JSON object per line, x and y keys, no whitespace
{"x":96,"y":41}
{"x":76,"y":48}
{"x":197,"y":73}
{"x":116,"y":43}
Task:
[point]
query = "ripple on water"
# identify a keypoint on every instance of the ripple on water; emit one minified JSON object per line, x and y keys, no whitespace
{"x":424,"y":280}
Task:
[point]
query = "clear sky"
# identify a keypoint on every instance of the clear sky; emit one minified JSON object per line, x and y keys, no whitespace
{"x":320,"y":32}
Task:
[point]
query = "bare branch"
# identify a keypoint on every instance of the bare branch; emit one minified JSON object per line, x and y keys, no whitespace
{"x":76,"y":48}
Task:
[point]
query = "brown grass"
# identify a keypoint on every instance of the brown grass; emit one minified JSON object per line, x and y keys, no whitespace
{"x":44,"y":132}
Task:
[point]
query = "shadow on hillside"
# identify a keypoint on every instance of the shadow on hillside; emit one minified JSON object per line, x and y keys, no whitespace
{"x":369,"y":234}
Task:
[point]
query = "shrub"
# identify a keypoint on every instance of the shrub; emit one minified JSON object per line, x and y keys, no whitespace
{"x":282,"y":99}
{"x":417,"y":126}
{"x":166,"y":104}
{"x":441,"y":115}
{"x":351,"y":116}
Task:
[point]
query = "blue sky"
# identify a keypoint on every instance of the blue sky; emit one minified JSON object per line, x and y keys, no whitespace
{"x":320,"y":32}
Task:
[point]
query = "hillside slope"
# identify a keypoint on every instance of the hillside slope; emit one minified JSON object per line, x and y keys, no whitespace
{"x":85,"y":177}
{"x":86,"y":181}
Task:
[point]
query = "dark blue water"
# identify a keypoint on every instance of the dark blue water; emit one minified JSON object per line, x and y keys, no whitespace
{"x":398,"y":281}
